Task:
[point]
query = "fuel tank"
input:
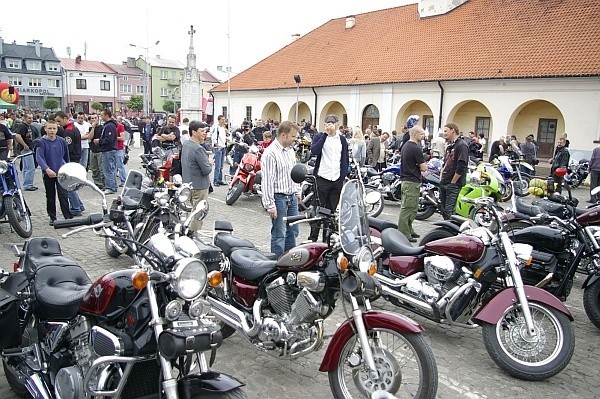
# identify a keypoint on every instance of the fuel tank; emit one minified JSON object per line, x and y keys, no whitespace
{"x":303,"y":257}
{"x":591,"y":217}
{"x":405,"y":265}
{"x":542,"y":238}
{"x":110,"y":295}
{"x":462,"y":247}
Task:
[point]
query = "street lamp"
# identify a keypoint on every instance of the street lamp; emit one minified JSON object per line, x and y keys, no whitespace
{"x":221,"y":68}
{"x":146,"y":76}
{"x":297,"y":80}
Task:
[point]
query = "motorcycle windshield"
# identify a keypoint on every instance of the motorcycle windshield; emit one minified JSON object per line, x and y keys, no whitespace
{"x":353,"y":224}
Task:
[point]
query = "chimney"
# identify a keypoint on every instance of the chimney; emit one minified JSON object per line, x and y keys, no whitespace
{"x":431,"y":8}
{"x":295,"y":37}
{"x":78,"y":59}
{"x":130,"y":62}
{"x":350,"y":22}
{"x":38,"y":48}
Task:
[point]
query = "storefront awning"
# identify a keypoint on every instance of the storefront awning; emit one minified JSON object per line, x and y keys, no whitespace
{"x":4,"y":105}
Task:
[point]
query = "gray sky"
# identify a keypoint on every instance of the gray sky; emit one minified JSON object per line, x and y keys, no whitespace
{"x":257,"y":28}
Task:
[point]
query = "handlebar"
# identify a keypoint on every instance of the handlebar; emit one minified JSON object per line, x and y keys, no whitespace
{"x":297,"y":218}
{"x":92,"y":219}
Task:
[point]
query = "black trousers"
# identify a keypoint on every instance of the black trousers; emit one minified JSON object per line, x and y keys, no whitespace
{"x":52,"y":188}
{"x":328,"y":193}
{"x":448,"y":197}
{"x":594,"y":182}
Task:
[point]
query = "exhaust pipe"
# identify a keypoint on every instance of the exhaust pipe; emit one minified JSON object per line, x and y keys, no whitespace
{"x":37,"y":387}
{"x":236,"y":318}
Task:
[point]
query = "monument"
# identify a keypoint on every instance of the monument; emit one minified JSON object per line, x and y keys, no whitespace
{"x":191,"y":93}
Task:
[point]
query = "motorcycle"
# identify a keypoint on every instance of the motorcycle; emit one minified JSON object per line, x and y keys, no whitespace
{"x":302,"y":148}
{"x":70,"y":338}
{"x":578,"y":172}
{"x":510,"y":170}
{"x":387,"y":182}
{"x":279,"y":305}
{"x":13,"y":206}
{"x":247,"y":177}
{"x":474,"y":279}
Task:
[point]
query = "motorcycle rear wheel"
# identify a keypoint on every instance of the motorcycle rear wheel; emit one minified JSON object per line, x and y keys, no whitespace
{"x":404,"y":361}
{"x":234,"y":193}
{"x":19,"y":218}
{"x":530,"y":359}
{"x":591,"y":303}
{"x":436,"y":234}
{"x":506,"y":192}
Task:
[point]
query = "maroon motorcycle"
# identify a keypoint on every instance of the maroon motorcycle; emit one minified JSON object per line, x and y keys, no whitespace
{"x":474,"y":279}
{"x":279,"y":305}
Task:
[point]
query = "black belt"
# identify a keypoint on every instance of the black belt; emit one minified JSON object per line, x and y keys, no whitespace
{"x":285,"y":195}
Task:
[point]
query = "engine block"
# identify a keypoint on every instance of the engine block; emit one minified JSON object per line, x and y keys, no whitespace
{"x":280,"y":296}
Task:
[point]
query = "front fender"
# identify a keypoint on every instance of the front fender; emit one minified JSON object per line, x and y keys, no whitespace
{"x":493,"y":309}
{"x":591,"y":279}
{"x":373,"y":319}
{"x":199,"y":385}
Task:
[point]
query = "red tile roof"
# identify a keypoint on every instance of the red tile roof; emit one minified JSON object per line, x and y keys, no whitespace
{"x":482,"y":39}
{"x":85,"y":66}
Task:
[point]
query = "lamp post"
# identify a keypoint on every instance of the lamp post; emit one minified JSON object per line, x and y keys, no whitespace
{"x":297,"y":80}
{"x":221,"y":68}
{"x":146,"y":76}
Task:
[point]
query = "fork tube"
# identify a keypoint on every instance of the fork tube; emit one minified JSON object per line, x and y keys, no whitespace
{"x":362,"y":336}
{"x":518,"y":281}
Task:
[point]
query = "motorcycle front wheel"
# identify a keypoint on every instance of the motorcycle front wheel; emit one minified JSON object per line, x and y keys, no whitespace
{"x":404,"y":362}
{"x":530,"y":358}
{"x":234,"y":193}
{"x":591,"y":302}
{"x":521,"y":186}
{"x":19,"y":218}
{"x":426,"y":209}
{"x":506,"y":191}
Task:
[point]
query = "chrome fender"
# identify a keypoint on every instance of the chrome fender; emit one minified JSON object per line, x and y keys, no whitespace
{"x":502,"y":300}
{"x":372,"y":319}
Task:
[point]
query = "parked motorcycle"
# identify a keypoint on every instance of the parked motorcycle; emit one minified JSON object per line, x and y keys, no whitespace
{"x":474,"y":279}
{"x":578,"y":172}
{"x":247,"y":177}
{"x":387,"y":182}
{"x":302,"y":148}
{"x":279,"y":305}
{"x":510,"y":170}
{"x":134,"y":333}
{"x":13,"y":208}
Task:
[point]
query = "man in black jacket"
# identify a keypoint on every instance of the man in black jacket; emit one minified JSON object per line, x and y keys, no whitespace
{"x":454,"y":172}
{"x":107,"y":145}
{"x":72,"y":136}
{"x":95,"y":163}
{"x":559,"y":160}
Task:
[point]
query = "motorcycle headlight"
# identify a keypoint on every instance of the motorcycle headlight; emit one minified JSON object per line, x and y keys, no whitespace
{"x":248,"y":167}
{"x":365,"y":260}
{"x":3,"y":167}
{"x":189,"y":278}
{"x":184,"y":194}
{"x":162,"y":197}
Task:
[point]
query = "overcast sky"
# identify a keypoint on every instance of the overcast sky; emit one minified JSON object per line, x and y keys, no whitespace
{"x":257,"y":28}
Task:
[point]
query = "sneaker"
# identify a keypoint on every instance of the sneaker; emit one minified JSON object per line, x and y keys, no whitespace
{"x":32,"y":188}
{"x":51,"y":223}
{"x":109,"y":192}
{"x":415,"y":235}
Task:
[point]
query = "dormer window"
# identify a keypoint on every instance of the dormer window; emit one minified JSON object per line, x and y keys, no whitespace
{"x":52,"y":67}
{"x":13,"y":64}
{"x":34,"y":65}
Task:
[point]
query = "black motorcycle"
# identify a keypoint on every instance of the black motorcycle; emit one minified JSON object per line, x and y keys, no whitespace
{"x":578,"y":171}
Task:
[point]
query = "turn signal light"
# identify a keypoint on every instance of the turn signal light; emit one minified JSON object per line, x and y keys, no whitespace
{"x":529,"y":262}
{"x":139,"y":280}
{"x":343,"y":263}
{"x":372,"y":269}
{"x":215,"y":278}
{"x":477,"y":274}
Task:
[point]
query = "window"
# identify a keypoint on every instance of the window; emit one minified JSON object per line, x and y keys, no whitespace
{"x":15,"y":81}
{"x":164,"y":92}
{"x":81,"y":84}
{"x":34,"y":65}
{"x":164,"y":74}
{"x":248,"y":113}
{"x":36,"y":102}
{"x":105,"y":85}
{"x":54,"y":83}
{"x":224,"y":111}
{"x":124,"y":77}
{"x":428,"y":124}
{"x":13,"y":64}
{"x":35,"y":82}
{"x":139,"y":89}
{"x":482,"y":125}
{"x":52,"y":67}
{"x":125,"y":88}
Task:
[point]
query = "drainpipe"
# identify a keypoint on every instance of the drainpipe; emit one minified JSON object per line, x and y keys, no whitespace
{"x":315,"y":117}
{"x":441,"y":103}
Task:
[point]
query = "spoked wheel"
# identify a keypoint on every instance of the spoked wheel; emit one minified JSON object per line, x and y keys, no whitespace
{"x":19,"y":218}
{"x":521,"y":186}
{"x":506,"y":191}
{"x":483,"y":217}
{"x":526,"y":357}
{"x":234,"y":193}
{"x":591,"y":302}
{"x":405,"y":367}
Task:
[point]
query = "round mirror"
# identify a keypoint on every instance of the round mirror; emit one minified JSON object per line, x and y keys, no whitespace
{"x":72,"y":176}
{"x":299,"y":172}
{"x":372,"y":197}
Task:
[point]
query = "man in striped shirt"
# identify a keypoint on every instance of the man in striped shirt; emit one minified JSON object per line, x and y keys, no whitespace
{"x":279,"y":191}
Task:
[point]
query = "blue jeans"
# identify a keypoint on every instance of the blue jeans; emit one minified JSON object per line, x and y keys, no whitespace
{"x":109,"y":168}
{"x":28,"y":169}
{"x":283,"y":237}
{"x":121,"y":166}
{"x":75,"y":204}
{"x":219,"y":161}
{"x":85,"y":155}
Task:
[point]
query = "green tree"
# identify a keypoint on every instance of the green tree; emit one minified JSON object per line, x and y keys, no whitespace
{"x":169,"y":106}
{"x":97,"y":106}
{"x":136,"y":103}
{"x":51,"y":103}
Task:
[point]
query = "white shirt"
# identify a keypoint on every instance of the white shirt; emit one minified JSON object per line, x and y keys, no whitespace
{"x":331,"y":157}
{"x":83,"y":130}
{"x":218,"y":136}
{"x":276,"y":166}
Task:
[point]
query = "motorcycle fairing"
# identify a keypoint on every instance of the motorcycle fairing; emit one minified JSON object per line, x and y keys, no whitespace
{"x":372,"y":319}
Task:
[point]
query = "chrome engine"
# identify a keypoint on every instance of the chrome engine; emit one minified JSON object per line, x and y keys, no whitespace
{"x":441,"y":273}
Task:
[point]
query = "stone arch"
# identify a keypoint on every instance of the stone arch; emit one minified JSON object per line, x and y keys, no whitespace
{"x":415,"y":107}
{"x":472,"y":116}
{"x":336,"y":108}
{"x":303,"y":112}
{"x":271,"y":111}
{"x":541,"y":118}
{"x":370,"y":117}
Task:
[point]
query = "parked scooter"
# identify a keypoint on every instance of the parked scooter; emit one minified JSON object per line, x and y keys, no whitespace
{"x":13,"y":208}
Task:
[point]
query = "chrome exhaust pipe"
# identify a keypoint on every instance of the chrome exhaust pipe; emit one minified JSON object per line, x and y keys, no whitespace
{"x":397,"y":283}
{"x":407,"y":299}
{"x":37,"y":388}
{"x":236,"y":318}
{"x":545,"y":281}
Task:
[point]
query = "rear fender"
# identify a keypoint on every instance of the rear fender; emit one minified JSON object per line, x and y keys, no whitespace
{"x":493,"y":309}
{"x":590,"y":280}
{"x":373,"y":319}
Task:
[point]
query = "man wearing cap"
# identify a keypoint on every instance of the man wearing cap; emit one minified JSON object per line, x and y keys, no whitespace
{"x":331,"y":168}
{"x":196,"y":166}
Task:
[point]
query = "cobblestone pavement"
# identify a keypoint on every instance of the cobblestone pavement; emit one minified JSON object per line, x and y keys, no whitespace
{"x":465,"y":368}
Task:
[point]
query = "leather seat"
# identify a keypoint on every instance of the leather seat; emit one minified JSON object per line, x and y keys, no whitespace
{"x":530,"y":210}
{"x":251,"y":264}
{"x":396,"y":243}
{"x":131,"y":198}
{"x":380,"y":224}
{"x":228,"y":243}
{"x":37,"y":250}
{"x":59,"y":289}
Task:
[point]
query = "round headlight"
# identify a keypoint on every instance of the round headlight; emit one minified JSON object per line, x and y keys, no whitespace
{"x":162,"y":197}
{"x":365,"y":259}
{"x":189,"y":278}
{"x":3,"y":167}
{"x":184,"y":194}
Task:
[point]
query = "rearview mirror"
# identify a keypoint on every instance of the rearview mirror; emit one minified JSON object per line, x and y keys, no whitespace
{"x":72,"y":176}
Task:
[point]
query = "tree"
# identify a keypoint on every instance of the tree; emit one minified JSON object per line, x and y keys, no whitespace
{"x":97,"y":106}
{"x":136,"y":103}
{"x":169,"y":106}
{"x":50,"y":103}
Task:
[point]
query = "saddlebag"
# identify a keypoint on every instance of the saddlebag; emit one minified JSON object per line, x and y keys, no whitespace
{"x":10,"y":336}
{"x":174,"y":343}
{"x":210,"y":255}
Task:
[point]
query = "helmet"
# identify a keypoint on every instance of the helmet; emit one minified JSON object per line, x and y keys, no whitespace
{"x":412,"y":121}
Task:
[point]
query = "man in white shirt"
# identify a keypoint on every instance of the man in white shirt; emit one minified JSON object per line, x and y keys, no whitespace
{"x":218,"y":137}
{"x":84,"y":128}
{"x":184,"y":128}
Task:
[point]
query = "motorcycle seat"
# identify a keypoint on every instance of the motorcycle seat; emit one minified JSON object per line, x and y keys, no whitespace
{"x":251,"y":264}
{"x":37,"y":250}
{"x":131,"y":198}
{"x":380,"y":224}
{"x":396,"y":243}
{"x":59,"y":289}
{"x":372,"y":172}
{"x":228,"y":243}
{"x":529,"y":210}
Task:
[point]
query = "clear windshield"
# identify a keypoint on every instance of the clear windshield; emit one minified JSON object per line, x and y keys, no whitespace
{"x":354,"y":227}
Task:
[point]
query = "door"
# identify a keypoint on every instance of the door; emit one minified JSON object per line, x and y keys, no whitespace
{"x":370,"y":117}
{"x":546,"y":137}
